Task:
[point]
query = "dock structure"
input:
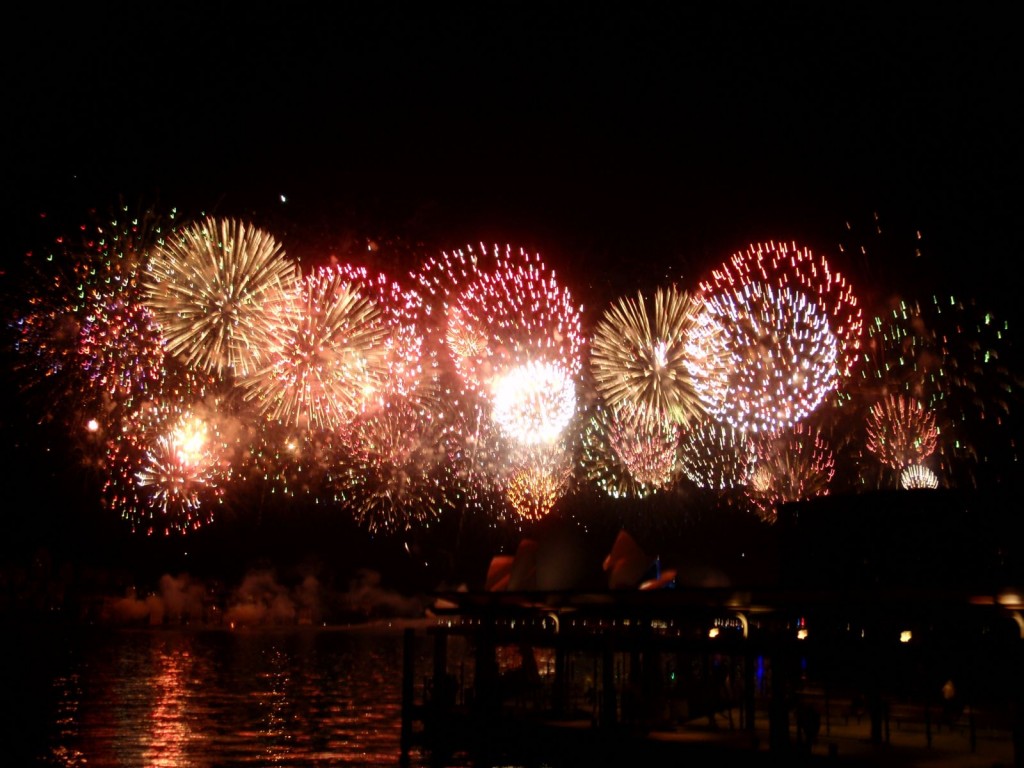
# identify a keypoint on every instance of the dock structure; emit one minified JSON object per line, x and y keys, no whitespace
{"x":516,"y":675}
{"x":846,"y":667}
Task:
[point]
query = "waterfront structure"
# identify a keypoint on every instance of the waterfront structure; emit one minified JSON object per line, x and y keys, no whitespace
{"x":896,"y":610}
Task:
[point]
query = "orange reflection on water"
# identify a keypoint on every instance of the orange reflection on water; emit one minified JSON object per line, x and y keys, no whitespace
{"x":166,"y":740}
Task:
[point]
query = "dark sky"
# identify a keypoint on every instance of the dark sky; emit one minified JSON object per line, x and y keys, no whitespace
{"x":626,"y":143}
{"x":656,"y":135}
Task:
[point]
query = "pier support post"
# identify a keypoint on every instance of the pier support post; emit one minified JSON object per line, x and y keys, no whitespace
{"x":609,"y":703}
{"x":561,"y":699}
{"x":749,"y":691}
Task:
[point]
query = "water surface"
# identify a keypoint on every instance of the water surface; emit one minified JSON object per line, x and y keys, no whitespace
{"x":171,"y":698}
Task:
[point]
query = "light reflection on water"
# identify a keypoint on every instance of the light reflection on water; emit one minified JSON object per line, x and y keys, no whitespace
{"x":171,"y":698}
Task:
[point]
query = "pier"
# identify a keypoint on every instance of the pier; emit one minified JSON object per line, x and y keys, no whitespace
{"x":691,"y":671}
{"x":867,"y":664}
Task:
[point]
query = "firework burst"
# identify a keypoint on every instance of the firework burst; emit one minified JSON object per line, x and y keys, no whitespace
{"x":165,"y":473}
{"x":600,"y":465}
{"x":778,"y":264}
{"x":782,"y":357}
{"x":529,"y":360}
{"x":918,"y":476}
{"x":211,"y":288}
{"x":643,"y":357}
{"x":647,"y":448}
{"x":715,"y":456}
{"x":403,"y":342}
{"x":440,"y":281}
{"x":327,"y":354}
{"x":180,"y":472}
{"x":901,"y":432}
{"x":398,"y":476}
{"x":78,"y":284}
{"x":169,"y":457}
{"x":952,"y":357}
{"x":534,"y":402}
{"x":538,"y":479}
{"x":521,"y":314}
{"x":121,"y":350}
{"x":791,"y":328}
{"x":789,"y":465}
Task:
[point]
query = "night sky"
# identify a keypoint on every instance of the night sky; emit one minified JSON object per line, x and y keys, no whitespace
{"x":628,"y":145}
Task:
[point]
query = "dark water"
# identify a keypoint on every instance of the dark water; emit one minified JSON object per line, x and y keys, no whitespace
{"x":102,"y":697}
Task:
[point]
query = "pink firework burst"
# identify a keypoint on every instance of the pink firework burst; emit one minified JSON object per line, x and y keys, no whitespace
{"x":901,"y":431}
{"x":524,"y":315}
{"x":647,"y":448}
{"x":600,"y":463}
{"x":440,"y":281}
{"x":783,"y":265}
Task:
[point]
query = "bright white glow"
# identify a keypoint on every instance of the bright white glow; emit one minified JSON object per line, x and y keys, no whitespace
{"x":918,"y":476}
{"x":661,"y":354}
{"x":534,"y":402}
{"x":189,"y":441}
